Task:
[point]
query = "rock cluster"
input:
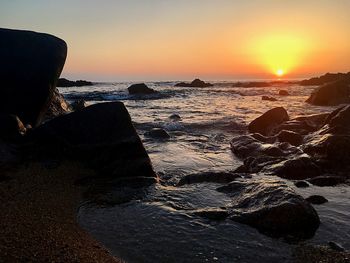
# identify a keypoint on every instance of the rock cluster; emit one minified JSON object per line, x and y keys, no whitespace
{"x":197,"y":83}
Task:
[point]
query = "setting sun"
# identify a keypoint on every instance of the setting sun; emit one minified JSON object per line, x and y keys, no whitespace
{"x":280,"y":72}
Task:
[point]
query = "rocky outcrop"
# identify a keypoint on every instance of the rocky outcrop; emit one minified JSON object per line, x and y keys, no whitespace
{"x":30,"y":64}
{"x":65,"y":83}
{"x":100,"y":136}
{"x":140,"y":88}
{"x":266,"y":123}
{"x":197,"y":83}
{"x":327,"y":78}
{"x":334,"y":93}
{"x":58,"y":106}
{"x":272,"y":207}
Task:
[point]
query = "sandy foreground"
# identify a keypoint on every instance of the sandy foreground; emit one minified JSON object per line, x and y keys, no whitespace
{"x":38,"y":216}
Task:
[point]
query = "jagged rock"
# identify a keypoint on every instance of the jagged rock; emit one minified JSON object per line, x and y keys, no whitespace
{"x":140,"y":88}
{"x":266,"y":123}
{"x":30,"y":66}
{"x":58,"y":106}
{"x":100,"y":136}
{"x":272,"y":207}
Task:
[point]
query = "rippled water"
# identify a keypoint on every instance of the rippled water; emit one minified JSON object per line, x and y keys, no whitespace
{"x":162,"y":226}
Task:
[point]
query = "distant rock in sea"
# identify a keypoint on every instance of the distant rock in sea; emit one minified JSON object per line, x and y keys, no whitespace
{"x":268,"y":98}
{"x":283,"y":93}
{"x":65,"y":83}
{"x":140,"y":88}
{"x":197,"y":83}
{"x":328,"y":77}
{"x":330,"y":94}
{"x":30,"y":64}
{"x":254,"y":84}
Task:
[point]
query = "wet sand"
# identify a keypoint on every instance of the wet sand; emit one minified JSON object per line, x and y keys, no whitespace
{"x":38,"y":216}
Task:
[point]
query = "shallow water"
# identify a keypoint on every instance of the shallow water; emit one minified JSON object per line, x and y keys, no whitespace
{"x":162,"y":226}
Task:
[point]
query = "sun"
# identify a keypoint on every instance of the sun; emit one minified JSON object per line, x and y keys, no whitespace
{"x":279,"y":72}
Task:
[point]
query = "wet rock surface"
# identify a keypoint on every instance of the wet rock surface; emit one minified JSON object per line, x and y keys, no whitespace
{"x":316,"y":199}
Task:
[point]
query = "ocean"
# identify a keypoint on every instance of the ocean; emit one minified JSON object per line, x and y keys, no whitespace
{"x":159,"y":227}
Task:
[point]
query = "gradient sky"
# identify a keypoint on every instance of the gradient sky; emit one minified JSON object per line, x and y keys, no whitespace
{"x":183,"y":39}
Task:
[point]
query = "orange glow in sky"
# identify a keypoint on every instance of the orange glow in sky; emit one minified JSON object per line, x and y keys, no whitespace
{"x":184,"y":39}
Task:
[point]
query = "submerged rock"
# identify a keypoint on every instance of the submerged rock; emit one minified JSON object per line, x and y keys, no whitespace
{"x":197,"y":83}
{"x":213,"y":177}
{"x":333,"y":93}
{"x":327,"y":180}
{"x":268,"y":98}
{"x":316,"y":199}
{"x":30,"y":66}
{"x":158,"y":133}
{"x":100,"y":136}
{"x":283,"y":93}
{"x":301,"y":184}
{"x":266,"y":123}
{"x":272,"y":207}
{"x":140,"y":88}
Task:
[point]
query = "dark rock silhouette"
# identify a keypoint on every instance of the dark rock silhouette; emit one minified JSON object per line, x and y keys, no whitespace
{"x":327,"y":180}
{"x":283,"y":93}
{"x":30,"y":64}
{"x":65,"y":83}
{"x":158,"y":133}
{"x":254,"y":84}
{"x":272,"y":207}
{"x":268,"y":121}
{"x":334,"y":93}
{"x":316,"y":199}
{"x":328,"y":77}
{"x":100,"y":136}
{"x":197,"y":83}
{"x":301,"y":184}
{"x":175,"y":117}
{"x":268,"y":98}
{"x":291,"y":137}
{"x":58,"y":106}
{"x":140,"y":88}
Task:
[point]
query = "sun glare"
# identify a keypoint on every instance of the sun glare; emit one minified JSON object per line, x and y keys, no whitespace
{"x":280,"y":72}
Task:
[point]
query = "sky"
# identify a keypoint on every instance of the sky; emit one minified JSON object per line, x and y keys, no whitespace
{"x":117,"y":40}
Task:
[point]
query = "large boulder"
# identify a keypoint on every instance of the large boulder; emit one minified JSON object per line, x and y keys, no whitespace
{"x":272,"y":207}
{"x":334,"y":93}
{"x":197,"y":83}
{"x":140,"y":88}
{"x":30,"y":66}
{"x":58,"y":106}
{"x":100,"y":136}
{"x":266,"y":123}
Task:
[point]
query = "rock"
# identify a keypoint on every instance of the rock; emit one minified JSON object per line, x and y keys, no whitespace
{"x":331,"y":94}
{"x":336,"y":246}
{"x":30,"y":66}
{"x":253,"y":84}
{"x":100,"y":136}
{"x":301,"y":184}
{"x":65,"y":83}
{"x":283,"y":93}
{"x":291,"y":137}
{"x":212,"y":177}
{"x":11,"y":127}
{"x":217,"y":214}
{"x":327,"y":180}
{"x":79,"y":105}
{"x":197,"y":83}
{"x":316,"y":199}
{"x":58,"y":106}
{"x":327,"y":78}
{"x":268,"y":98}
{"x":158,"y":133}
{"x":140,"y":88}
{"x":266,"y":123}
{"x":272,"y":207}
{"x":175,"y":117}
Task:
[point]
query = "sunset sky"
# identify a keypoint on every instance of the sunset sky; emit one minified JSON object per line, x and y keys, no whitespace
{"x":182,"y":39}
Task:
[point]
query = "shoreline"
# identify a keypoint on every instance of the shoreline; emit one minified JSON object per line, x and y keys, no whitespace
{"x":39,"y":216}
